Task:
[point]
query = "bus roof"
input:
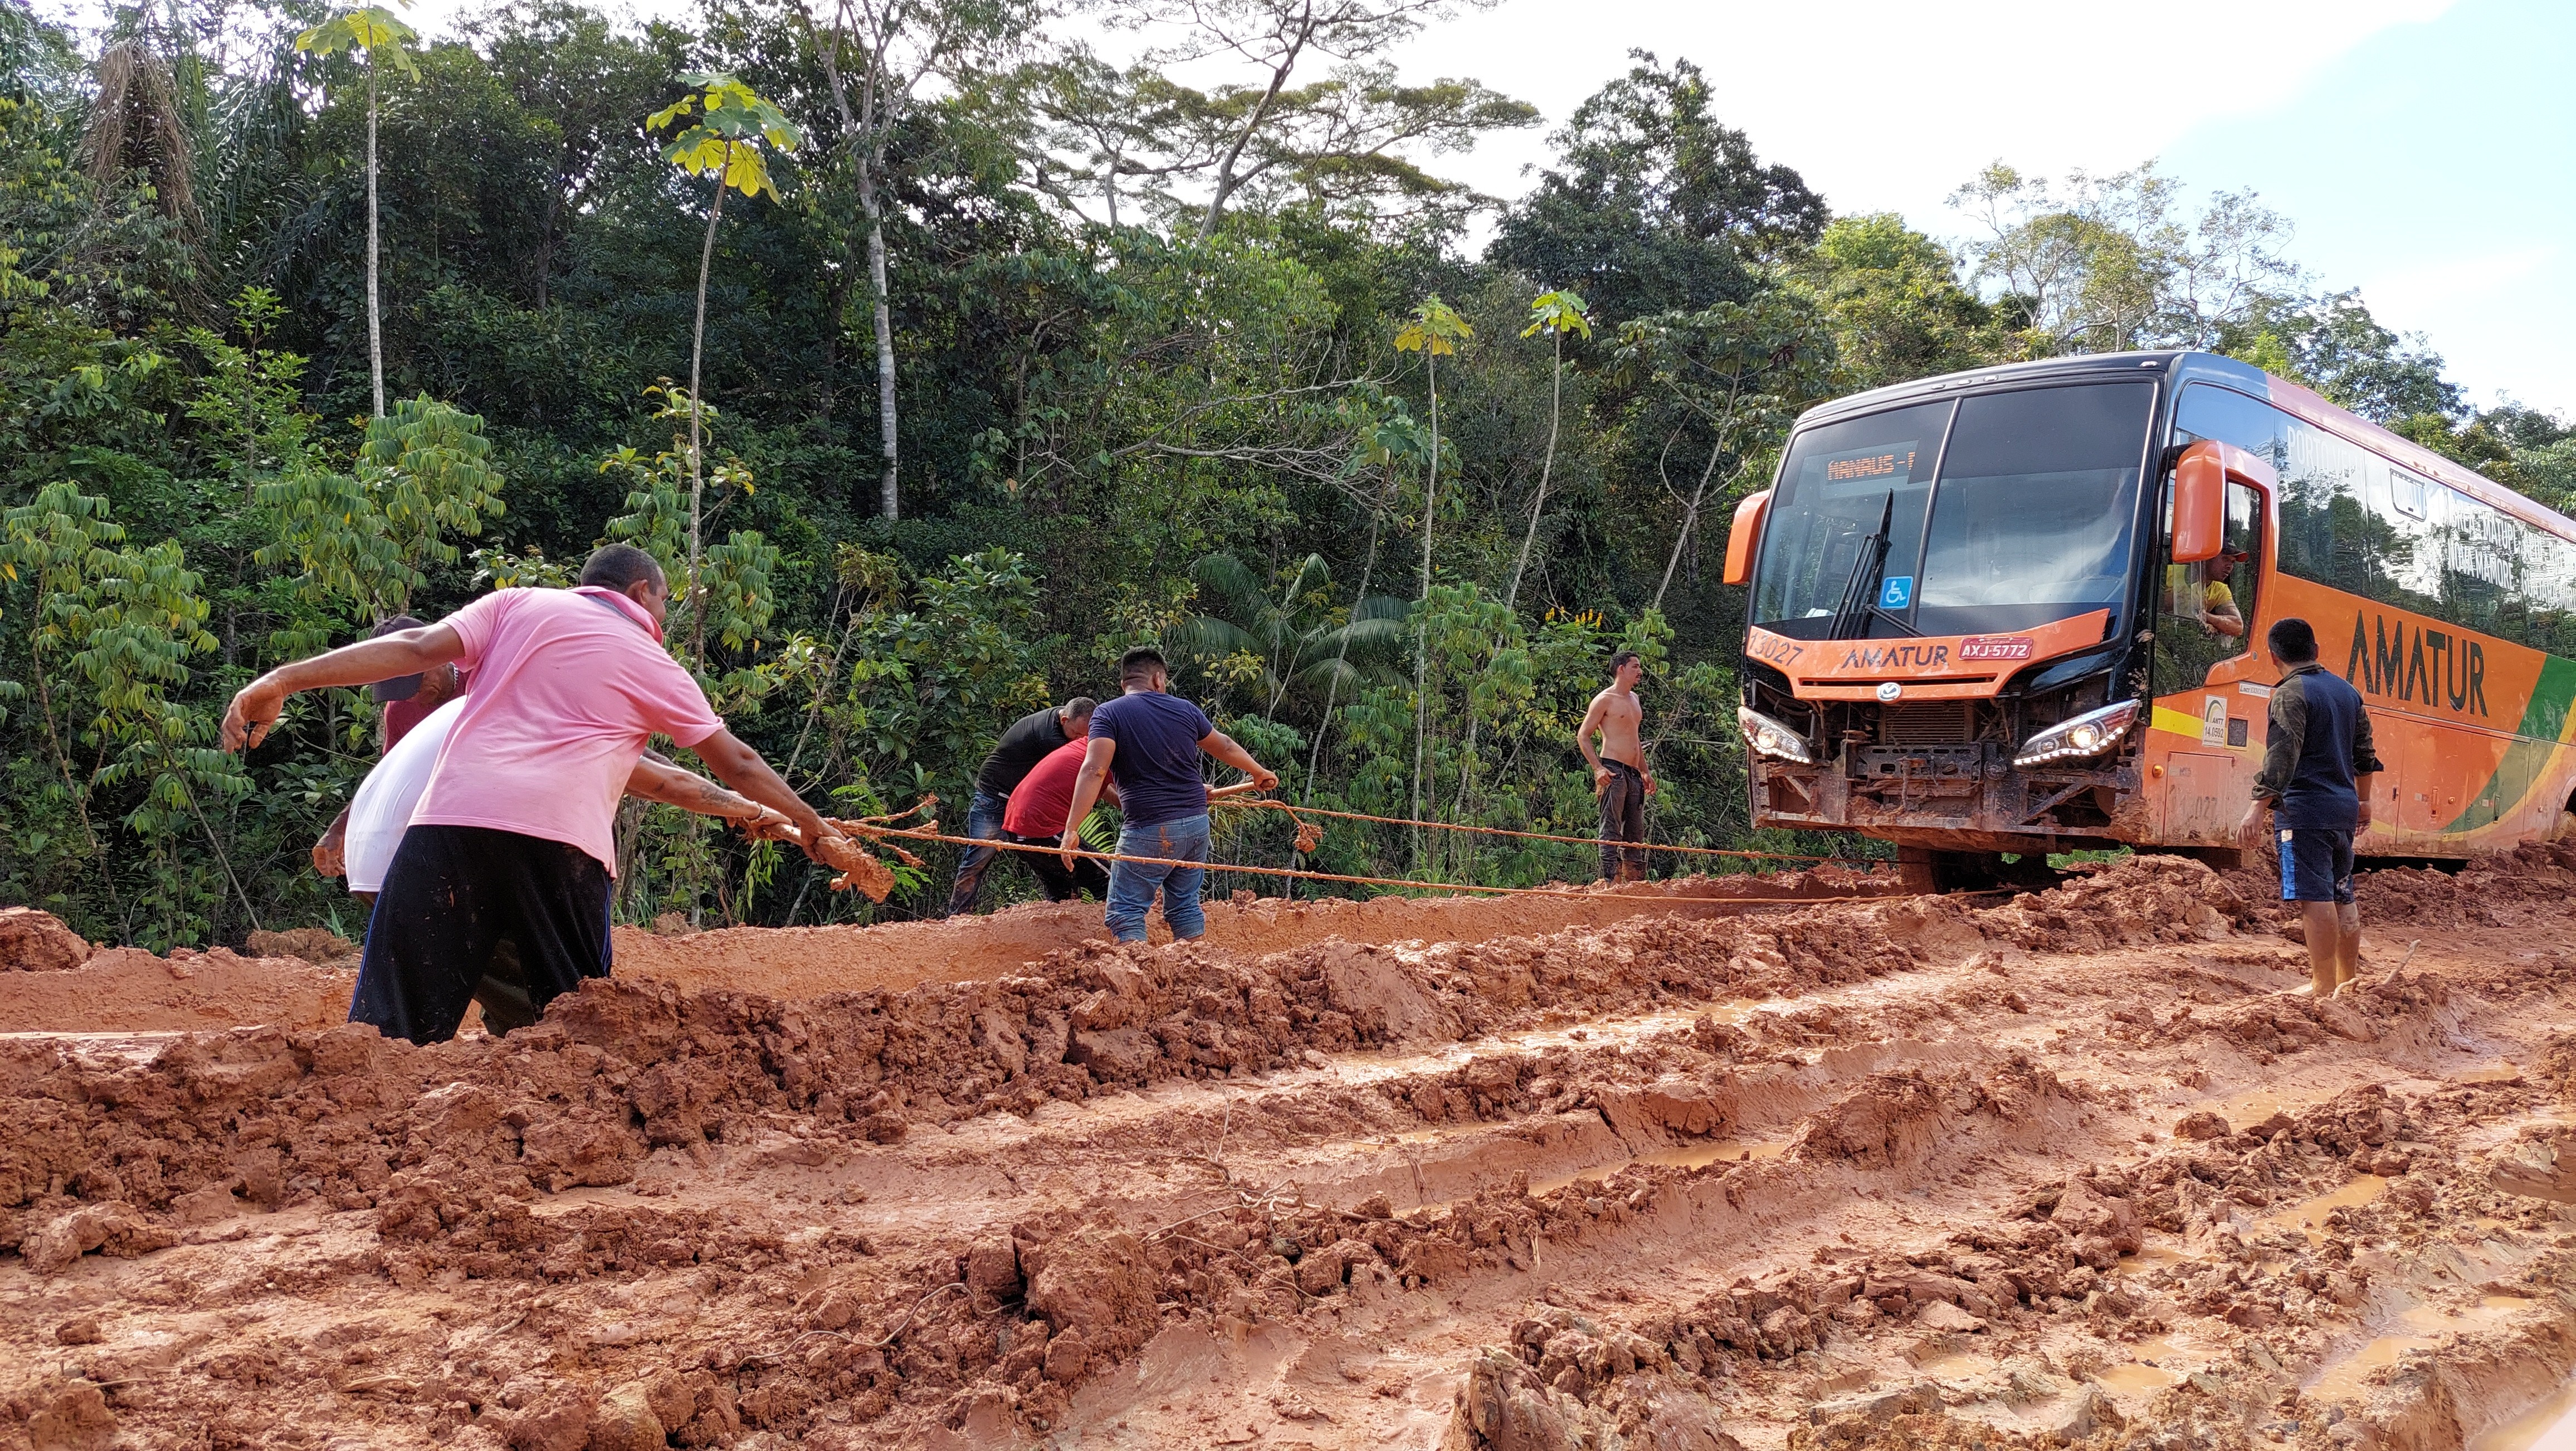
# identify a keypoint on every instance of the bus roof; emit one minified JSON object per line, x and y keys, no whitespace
{"x":2183,"y":367}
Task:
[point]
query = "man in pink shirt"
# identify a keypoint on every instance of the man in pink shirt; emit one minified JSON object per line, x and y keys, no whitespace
{"x":515,"y":834}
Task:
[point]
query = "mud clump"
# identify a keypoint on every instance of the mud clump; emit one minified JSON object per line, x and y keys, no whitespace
{"x":1097,"y":1298}
{"x":2503,"y":889}
{"x":2133,"y":902}
{"x":1509,"y":1404}
{"x":34,"y":941}
{"x":2201,"y":1126}
{"x":317,"y":945}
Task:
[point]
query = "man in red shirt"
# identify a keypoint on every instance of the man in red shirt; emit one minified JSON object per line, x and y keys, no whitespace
{"x":1035,"y":817}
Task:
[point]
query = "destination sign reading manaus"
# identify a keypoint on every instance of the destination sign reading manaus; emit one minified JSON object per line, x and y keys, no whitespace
{"x":1872,"y":466}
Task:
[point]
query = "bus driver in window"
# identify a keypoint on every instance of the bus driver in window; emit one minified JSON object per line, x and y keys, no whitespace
{"x":2202,"y":593}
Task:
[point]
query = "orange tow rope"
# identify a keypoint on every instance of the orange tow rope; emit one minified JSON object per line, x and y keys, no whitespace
{"x":874,"y":831}
{"x":1299,"y":813}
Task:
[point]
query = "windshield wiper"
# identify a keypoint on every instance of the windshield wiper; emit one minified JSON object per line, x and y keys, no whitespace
{"x":1859,"y":605}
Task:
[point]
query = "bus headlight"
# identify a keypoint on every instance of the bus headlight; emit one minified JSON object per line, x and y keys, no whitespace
{"x":1770,"y":738}
{"x":2089,"y":734}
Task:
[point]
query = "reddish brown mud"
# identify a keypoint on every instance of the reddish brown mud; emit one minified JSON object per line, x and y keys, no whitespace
{"x":2078,"y":1168}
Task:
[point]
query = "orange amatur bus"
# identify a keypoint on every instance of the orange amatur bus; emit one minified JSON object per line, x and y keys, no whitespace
{"x":2021,"y":610}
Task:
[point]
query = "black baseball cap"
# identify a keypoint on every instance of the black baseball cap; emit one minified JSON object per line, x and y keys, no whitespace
{"x":401,"y":687}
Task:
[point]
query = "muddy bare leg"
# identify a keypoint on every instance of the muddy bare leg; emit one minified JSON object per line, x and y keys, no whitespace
{"x":2325,"y":943}
{"x":2347,"y":942}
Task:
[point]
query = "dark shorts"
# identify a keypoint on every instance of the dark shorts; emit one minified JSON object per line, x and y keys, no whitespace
{"x":451,"y":897}
{"x":2316,"y":864}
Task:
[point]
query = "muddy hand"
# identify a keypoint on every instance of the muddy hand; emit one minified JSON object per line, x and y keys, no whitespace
{"x":2249,"y":832}
{"x":770,"y":825}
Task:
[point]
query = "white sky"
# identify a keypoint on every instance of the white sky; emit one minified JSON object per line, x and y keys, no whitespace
{"x":1886,"y":105}
{"x":2420,"y":146}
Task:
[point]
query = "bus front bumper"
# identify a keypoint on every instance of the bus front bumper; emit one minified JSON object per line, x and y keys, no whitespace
{"x":1961,"y":798}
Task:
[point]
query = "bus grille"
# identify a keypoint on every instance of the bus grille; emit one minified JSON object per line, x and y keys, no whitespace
{"x":1937,"y":723}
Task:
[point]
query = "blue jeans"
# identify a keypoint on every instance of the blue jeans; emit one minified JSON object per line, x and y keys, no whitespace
{"x":1132,"y":884}
{"x":984,"y":823}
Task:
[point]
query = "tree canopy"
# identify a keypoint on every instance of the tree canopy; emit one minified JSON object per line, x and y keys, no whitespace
{"x":1155,"y":348}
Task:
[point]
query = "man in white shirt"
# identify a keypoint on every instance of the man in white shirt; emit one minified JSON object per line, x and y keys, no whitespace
{"x":372,"y":827}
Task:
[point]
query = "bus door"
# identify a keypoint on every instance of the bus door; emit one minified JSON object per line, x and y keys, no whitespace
{"x":2205,"y":650}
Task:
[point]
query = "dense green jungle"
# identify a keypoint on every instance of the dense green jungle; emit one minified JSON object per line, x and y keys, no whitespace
{"x":941,"y":357}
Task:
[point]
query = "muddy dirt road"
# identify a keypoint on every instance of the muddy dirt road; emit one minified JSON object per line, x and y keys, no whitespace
{"x":308,"y":981}
{"x":2077,"y":1168}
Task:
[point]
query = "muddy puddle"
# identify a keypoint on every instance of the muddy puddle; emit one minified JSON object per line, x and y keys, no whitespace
{"x":2155,"y":1362}
{"x":2309,"y":1215}
{"x":2548,"y":1426}
{"x":2419,"y":1328}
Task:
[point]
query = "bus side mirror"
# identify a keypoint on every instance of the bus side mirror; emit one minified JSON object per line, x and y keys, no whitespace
{"x":2200,"y":504}
{"x":1745,"y":536}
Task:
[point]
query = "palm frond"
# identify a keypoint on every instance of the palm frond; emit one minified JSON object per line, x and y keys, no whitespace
{"x":1226,"y":580}
{"x":1205,"y":637}
{"x":136,"y":125}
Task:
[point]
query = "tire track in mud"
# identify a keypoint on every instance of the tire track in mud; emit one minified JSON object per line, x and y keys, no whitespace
{"x":1828,"y":1177}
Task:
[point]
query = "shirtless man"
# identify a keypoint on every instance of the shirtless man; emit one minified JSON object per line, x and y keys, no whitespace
{"x":1619,"y":774}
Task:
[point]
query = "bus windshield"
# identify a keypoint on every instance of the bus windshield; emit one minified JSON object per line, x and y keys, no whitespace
{"x":1999,"y":512}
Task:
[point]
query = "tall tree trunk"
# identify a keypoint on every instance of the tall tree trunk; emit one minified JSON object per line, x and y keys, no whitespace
{"x":375,"y":307}
{"x":1226,"y":181}
{"x":1690,"y":520}
{"x":1555,"y":403}
{"x":1422,"y":634}
{"x":697,"y":475}
{"x":1466,"y":806}
{"x":1690,"y":512}
{"x":865,"y":127}
{"x":888,"y":500}
{"x":546,"y":243}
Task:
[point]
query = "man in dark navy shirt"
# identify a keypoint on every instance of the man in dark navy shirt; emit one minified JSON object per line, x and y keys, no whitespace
{"x":1149,"y":743}
{"x":1027,"y":742}
{"x":2318,"y":770}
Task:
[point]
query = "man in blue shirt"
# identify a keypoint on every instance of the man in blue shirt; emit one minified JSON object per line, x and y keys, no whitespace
{"x":2318,"y":770}
{"x":1149,"y":743}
